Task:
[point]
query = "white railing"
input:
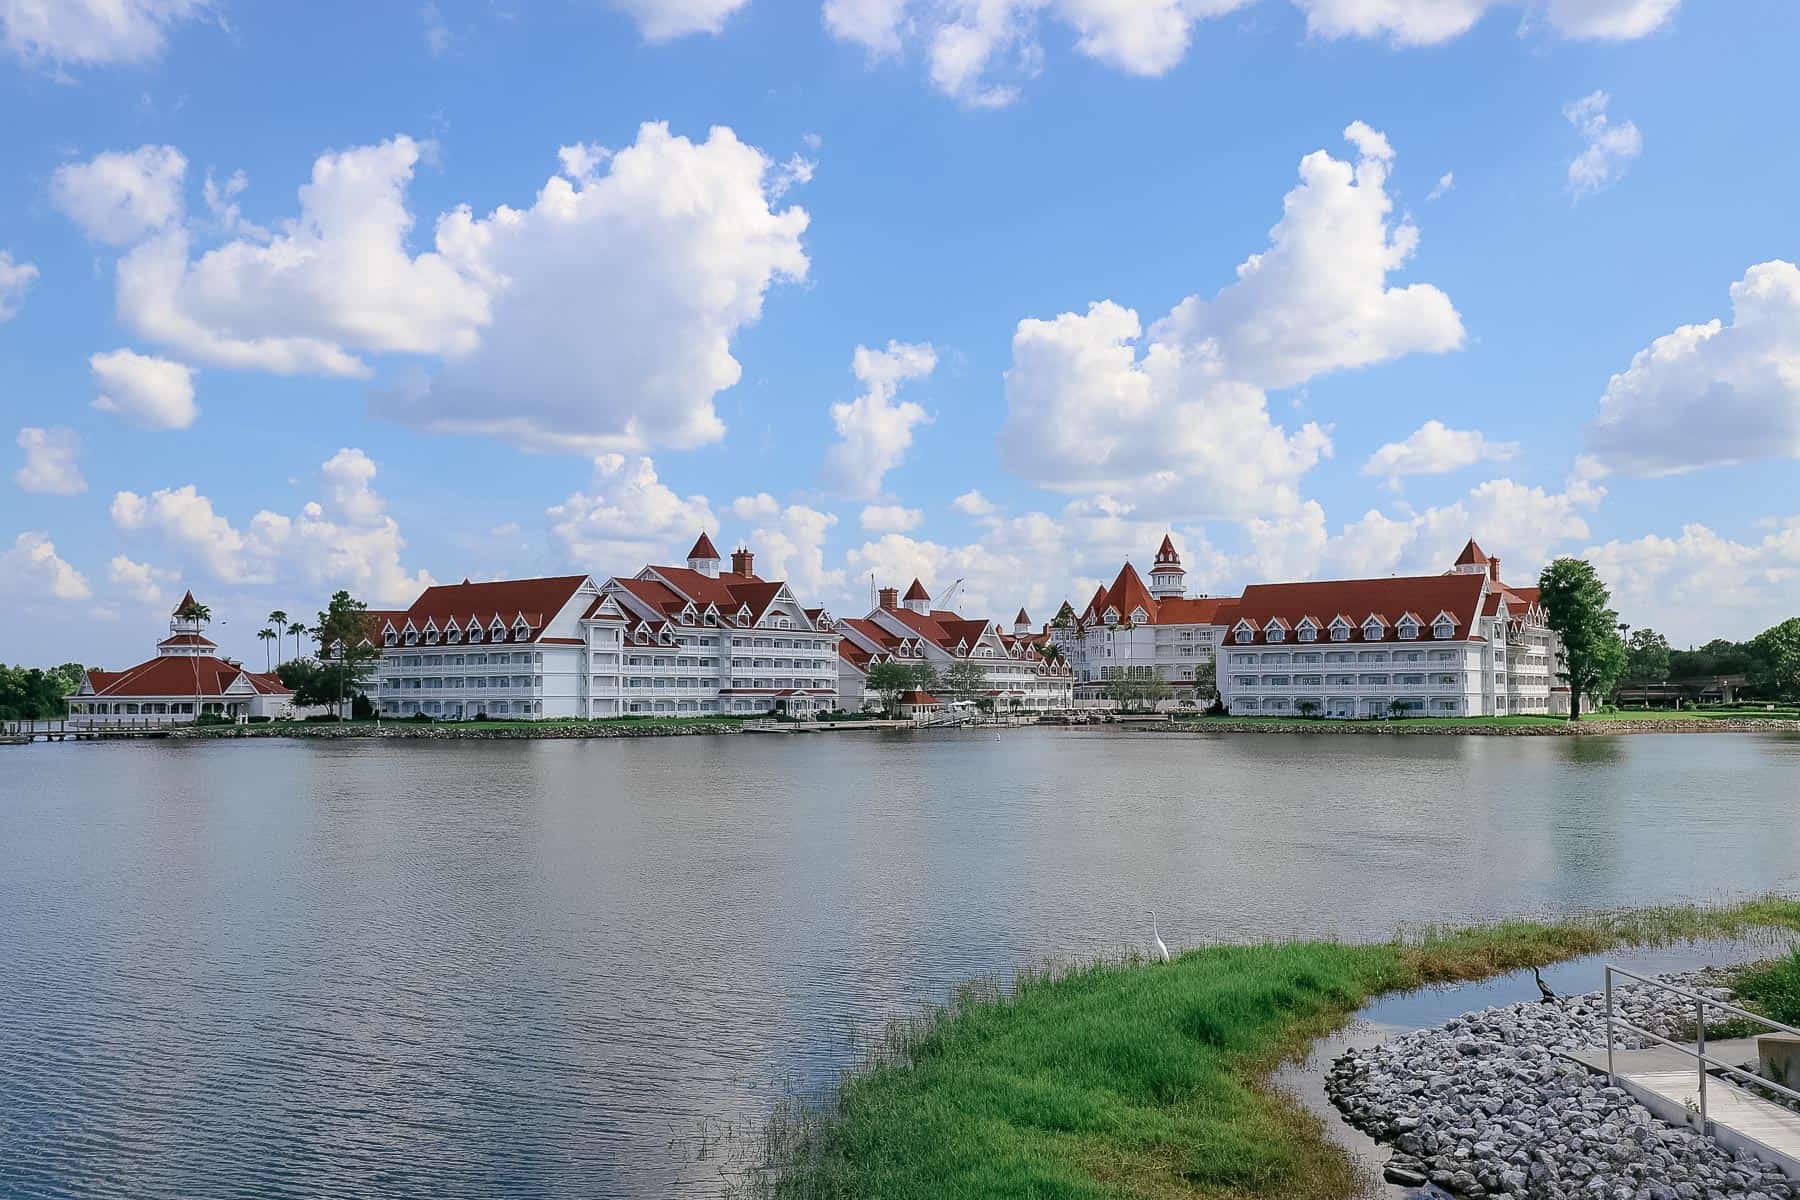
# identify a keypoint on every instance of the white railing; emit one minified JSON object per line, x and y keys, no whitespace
{"x":1697,"y":1052}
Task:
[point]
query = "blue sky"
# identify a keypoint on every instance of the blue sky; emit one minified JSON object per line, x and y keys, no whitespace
{"x":1506,"y":204}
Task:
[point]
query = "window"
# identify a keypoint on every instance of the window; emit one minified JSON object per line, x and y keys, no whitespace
{"x":1276,"y":633}
{"x":1340,"y":631}
{"x":1308,"y":633}
{"x":1443,"y":629}
{"x":1371,"y":631}
{"x":1409,"y":631}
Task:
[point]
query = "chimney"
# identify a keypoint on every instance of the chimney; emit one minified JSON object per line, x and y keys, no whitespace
{"x":742,"y":561}
{"x":1493,"y":568}
{"x":890,"y":599}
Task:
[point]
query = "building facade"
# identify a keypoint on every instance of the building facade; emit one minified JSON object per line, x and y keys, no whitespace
{"x":1459,"y":644}
{"x":1020,"y":673}
{"x":186,"y":679}
{"x":669,"y":641}
{"x":1154,"y":632}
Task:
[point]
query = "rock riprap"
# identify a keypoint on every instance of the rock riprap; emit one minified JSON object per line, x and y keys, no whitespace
{"x":1484,"y":1105}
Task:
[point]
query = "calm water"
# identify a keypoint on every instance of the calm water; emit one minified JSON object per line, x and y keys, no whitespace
{"x":567,"y":968}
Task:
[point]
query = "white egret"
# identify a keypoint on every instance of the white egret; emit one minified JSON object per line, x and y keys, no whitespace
{"x":1158,"y":951}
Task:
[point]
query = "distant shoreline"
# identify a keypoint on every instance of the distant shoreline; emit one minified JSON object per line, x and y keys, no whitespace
{"x":1587,"y":726}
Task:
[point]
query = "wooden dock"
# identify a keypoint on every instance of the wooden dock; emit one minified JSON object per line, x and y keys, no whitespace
{"x":23,"y":733}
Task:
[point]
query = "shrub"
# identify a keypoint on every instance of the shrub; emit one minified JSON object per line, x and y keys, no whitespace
{"x":1774,"y":988}
{"x":321,"y":718}
{"x":419,"y":718}
{"x":259,"y":720}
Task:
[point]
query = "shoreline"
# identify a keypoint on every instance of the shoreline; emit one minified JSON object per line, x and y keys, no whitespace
{"x":1588,"y":726}
{"x":577,"y":730}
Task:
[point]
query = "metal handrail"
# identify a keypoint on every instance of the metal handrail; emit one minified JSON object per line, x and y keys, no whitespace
{"x":1698,"y":1050}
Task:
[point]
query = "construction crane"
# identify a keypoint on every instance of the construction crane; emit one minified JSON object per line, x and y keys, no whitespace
{"x":946,"y":601}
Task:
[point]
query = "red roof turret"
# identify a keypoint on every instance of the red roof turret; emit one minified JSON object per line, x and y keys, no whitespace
{"x":1472,"y":556}
{"x":916,"y":592}
{"x":703,"y":548}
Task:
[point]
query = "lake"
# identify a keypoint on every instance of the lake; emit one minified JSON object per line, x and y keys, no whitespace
{"x":353,"y":968}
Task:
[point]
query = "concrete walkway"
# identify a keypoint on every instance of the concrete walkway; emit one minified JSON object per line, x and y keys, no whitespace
{"x":1667,"y":1082}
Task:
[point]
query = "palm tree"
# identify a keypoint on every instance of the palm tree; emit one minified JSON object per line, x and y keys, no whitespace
{"x":278,"y":622}
{"x":298,"y":630}
{"x":265,"y":636}
{"x":200,"y":615}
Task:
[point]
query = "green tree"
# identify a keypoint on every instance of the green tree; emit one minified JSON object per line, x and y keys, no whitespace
{"x":1577,"y":607}
{"x":34,"y":694}
{"x":344,"y":643}
{"x":1647,"y":656}
{"x":1206,"y":683}
{"x":1135,"y":688}
{"x":888,"y":680}
{"x":297,"y":630}
{"x":1775,"y":661}
{"x":964,"y":680}
{"x":265,"y":636}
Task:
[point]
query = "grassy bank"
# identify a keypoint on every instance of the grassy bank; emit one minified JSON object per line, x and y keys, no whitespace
{"x":1631,"y":721}
{"x":1131,"y":1080}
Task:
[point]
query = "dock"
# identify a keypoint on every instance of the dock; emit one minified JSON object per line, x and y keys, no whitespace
{"x":23,"y":733}
{"x":1667,"y":1082}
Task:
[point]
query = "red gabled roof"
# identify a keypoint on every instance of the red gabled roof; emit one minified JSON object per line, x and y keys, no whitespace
{"x":916,"y":592}
{"x":537,"y":599}
{"x":181,"y":675}
{"x":1200,"y":610}
{"x":1022,"y":619}
{"x":703,"y":548}
{"x":917,"y":697}
{"x":853,"y":654}
{"x":1128,"y":592}
{"x":1097,"y":606}
{"x":1457,"y":595}
{"x":1472,"y":555}
{"x":187,"y":639}
{"x":186,"y":602}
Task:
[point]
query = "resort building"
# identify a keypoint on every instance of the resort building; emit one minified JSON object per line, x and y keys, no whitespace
{"x":186,"y":679}
{"x":1130,"y":630}
{"x":1020,"y":671}
{"x":690,"y":640}
{"x":1458,"y":644}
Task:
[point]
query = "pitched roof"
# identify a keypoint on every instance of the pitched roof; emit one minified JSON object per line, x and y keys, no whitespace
{"x":703,"y":547}
{"x":186,"y":602}
{"x":916,"y":592}
{"x":181,"y":675}
{"x":1128,"y":593}
{"x":1472,"y":555}
{"x":1197,"y":610}
{"x":537,"y":599}
{"x":1023,"y":618}
{"x":187,"y":639}
{"x":1359,"y":599}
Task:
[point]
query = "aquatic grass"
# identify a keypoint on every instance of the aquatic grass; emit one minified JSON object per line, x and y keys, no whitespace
{"x":1129,"y":1079}
{"x":1773,"y":988}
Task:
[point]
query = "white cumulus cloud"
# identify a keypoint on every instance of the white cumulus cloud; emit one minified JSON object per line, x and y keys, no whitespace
{"x":639,"y":277}
{"x":141,"y":583}
{"x":1700,"y":585}
{"x":1609,"y":146}
{"x":15,"y":279}
{"x":143,"y":390}
{"x":661,"y":20}
{"x":119,"y":196}
{"x":50,"y":461}
{"x":31,"y":571}
{"x":1711,"y":394}
{"x":980,"y":52}
{"x":874,"y":430}
{"x":1430,"y":22}
{"x":789,"y":542}
{"x":891,"y":518}
{"x":347,"y":541}
{"x":628,"y":517}
{"x":1436,"y":449}
{"x":92,"y":32}
{"x":1183,"y":414}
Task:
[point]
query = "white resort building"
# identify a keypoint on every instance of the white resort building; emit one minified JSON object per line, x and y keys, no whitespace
{"x":1131,"y":630}
{"x":186,"y":679}
{"x":671,"y":641}
{"x":1020,"y":673}
{"x":1458,"y":644}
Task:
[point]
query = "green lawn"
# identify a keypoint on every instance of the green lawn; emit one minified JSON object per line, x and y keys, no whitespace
{"x":1128,"y":1079}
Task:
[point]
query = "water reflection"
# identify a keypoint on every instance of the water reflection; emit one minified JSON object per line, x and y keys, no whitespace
{"x":527,"y":968}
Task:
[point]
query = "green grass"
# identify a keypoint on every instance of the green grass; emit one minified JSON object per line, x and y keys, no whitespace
{"x":1126,"y":1079}
{"x":1773,"y":988}
{"x":1634,"y":714}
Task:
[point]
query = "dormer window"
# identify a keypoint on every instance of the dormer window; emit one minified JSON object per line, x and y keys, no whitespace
{"x":389,"y":639}
{"x":496,"y":631}
{"x":1276,"y":633}
{"x":1444,"y":627}
{"x":1371,"y":630}
{"x":1408,"y":629}
{"x":412,"y":639}
{"x":1245,"y":632}
{"x":474,"y":632}
{"x":453,"y":635}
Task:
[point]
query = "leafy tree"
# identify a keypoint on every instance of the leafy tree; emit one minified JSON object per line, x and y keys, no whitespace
{"x":34,"y":694}
{"x":1576,"y":605}
{"x":265,"y":636}
{"x":1206,"y":682}
{"x":1775,"y":661}
{"x":1308,"y":708}
{"x":1397,"y":708}
{"x":888,"y":680}
{"x":1717,"y":657}
{"x":964,"y":680}
{"x":344,"y":643}
{"x":1136,"y":687}
{"x":297,"y":630}
{"x":1647,"y":656}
